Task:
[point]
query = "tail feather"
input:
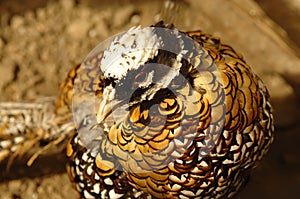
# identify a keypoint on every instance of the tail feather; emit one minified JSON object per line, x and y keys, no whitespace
{"x":24,"y":126}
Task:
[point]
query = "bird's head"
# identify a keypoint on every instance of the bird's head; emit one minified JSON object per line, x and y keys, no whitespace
{"x":143,"y":67}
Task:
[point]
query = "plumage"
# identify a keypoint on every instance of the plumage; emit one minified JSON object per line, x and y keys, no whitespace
{"x":185,"y":124}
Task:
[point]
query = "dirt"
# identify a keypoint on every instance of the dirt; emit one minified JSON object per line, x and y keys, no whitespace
{"x":41,"y":40}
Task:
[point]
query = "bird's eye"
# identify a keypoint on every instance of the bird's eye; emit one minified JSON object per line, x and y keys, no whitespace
{"x":140,"y":77}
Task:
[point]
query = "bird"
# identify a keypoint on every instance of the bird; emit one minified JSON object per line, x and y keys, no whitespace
{"x":162,"y":113}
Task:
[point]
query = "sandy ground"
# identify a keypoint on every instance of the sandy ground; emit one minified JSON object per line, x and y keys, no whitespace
{"x":40,"y":42}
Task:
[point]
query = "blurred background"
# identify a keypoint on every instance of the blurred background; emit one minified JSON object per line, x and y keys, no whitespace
{"x":40,"y":41}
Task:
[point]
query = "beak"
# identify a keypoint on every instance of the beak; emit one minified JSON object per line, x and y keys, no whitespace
{"x":107,"y":104}
{"x":104,"y":110}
